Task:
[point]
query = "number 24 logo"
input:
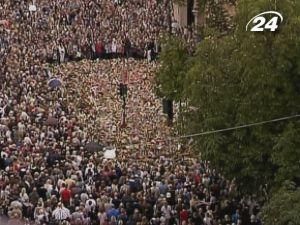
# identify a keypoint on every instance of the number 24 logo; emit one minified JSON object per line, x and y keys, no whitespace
{"x":259,"y":20}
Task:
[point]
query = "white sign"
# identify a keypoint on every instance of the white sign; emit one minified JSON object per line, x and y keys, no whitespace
{"x":260,"y":22}
{"x":109,"y":153}
{"x":32,"y":8}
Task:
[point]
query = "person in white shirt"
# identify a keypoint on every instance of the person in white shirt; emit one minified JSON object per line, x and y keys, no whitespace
{"x":90,"y":205}
{"x":114,"y":47}
{"x":24,"y":116}
{"x":61,"y":50}
{"x":166,"y":211}
{"x":27,"y":140}
{"x":2,"y":111}
{"x":207,"y":220}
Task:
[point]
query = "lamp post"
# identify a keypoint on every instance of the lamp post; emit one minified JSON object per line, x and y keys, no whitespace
{"x":123,"y":94}
{"x":123,"y":124}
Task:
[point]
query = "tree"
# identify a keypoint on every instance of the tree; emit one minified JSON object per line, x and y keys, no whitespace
{"x":284,"y":206}
{"x":287,"y":154}
{"x":173,"y":65}
{"x":244,"y":78}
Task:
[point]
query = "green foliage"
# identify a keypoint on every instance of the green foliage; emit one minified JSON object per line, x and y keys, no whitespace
{"x":170,"y":76}
{"x":242,"y":78}
{"x":287,"y":153}
{"x":284,"y":207}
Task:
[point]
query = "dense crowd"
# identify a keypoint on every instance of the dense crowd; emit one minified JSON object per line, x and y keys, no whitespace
{"x":48,"y":173}
{"x":60,"y":30}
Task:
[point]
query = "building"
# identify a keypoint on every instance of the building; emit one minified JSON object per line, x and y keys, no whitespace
{"x":183,"y":12}
{"x":219,"y":12}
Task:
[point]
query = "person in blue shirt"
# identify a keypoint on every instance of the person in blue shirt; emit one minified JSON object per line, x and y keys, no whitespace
{"x":236,"y":216}
{"x":113,"y":212}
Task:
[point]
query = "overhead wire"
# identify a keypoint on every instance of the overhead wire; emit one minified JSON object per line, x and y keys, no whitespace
{"x":239,"y":127}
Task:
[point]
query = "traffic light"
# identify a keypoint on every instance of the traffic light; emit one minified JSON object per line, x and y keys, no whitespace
{"x":125,"y":89}
{"x":167,"y":106}
{"x":168,"y":109}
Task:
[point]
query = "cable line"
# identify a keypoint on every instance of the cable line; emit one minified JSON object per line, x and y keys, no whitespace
{"x":239,"y":127}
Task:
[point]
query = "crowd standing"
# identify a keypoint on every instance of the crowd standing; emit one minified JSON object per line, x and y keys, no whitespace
{"x":48,"y":174}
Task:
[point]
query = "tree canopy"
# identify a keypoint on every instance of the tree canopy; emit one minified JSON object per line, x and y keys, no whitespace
{"x":241,"y":78}
{"x":174,"y":64}
{"x":283,"y":208}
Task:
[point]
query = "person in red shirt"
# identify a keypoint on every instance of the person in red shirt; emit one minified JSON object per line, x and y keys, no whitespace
{"x":197,"y":178}
{"x":184,"y":216}
{"x":65,"y":195}
{"x":99,"y":49}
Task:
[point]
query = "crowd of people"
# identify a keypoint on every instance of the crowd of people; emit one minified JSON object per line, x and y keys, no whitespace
{"x":62,"y":30}
{"x":49,"y":175}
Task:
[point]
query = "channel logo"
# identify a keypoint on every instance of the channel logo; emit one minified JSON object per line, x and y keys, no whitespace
{"x":259,"y":22}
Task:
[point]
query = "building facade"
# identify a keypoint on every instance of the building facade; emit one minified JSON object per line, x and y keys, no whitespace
{"x":188,"y":13}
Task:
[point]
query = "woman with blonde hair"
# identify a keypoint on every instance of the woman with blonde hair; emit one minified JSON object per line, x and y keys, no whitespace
{"x":40,"y":213}
{"x":23,"y":195}
{"x":113,"y":221}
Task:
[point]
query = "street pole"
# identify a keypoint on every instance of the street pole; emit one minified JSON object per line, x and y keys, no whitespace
{"x":124,"y":112}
